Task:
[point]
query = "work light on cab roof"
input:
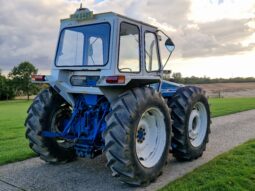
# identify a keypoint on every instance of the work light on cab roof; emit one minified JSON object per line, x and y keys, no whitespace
{"x":81,"y":14}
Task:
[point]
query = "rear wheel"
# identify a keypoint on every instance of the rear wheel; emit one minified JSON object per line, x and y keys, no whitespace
{"x":49,"y":112}
{"x":191,"y":126}
{"x":137,"y":137}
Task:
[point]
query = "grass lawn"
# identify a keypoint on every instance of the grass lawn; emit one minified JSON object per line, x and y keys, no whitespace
{"x":13,"y":145}
{"x":220,"y":107}
{"x":231,"y":171}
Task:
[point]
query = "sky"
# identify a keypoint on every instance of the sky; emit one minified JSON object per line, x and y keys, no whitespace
{"x":214,"y":38}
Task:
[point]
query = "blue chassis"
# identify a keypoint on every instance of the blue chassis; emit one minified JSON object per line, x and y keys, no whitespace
{"x":87,"y":123}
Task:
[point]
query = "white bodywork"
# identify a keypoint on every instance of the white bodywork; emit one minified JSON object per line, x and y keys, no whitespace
{"x":60,"y":76}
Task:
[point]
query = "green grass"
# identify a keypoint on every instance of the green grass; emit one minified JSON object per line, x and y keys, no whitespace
{"x":226,"y":106}
{"x":231,"y":171}
{"x":13,"y":145}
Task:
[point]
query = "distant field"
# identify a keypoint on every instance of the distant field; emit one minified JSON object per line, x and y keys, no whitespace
{"x":229,"y":89}
{"x":14,"y":146}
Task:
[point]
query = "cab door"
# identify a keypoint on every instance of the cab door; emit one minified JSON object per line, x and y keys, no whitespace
{"x":151,"y":56}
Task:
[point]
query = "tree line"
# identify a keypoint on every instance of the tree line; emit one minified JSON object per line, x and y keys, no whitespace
{"x":178,"y":78}
{"x":18,"y":82}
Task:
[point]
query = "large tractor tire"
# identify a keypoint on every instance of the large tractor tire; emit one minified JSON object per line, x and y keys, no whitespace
{"x":137,"y":138}
{"x":191,"y":126}
{"x":48,"y":112}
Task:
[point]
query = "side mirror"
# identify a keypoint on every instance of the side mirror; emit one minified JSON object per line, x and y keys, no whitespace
{"x":170,"y":45}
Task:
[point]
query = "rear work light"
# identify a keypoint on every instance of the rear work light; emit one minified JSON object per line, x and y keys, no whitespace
{"x":115,"y":79}
{"x":39,"y":78}
{"x":85,"y":81}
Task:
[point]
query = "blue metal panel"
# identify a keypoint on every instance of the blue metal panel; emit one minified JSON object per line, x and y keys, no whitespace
{"x":86,"y":125}
{"x":168,"y":89}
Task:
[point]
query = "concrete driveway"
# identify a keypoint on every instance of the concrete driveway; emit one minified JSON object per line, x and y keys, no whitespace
{"x":84,"y":174}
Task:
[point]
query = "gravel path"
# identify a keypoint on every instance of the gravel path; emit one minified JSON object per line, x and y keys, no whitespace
{"x":84,"y":174}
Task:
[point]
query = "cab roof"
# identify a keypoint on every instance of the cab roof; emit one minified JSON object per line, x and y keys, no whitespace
{"x":113,"y":14}
{"x":128,"y":18}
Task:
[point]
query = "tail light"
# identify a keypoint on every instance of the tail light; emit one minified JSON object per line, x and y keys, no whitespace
{"x":39,"y":78}
{"x":115,"y":79}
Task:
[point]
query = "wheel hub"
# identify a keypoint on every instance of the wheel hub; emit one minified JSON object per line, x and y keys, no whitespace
{"x":197,"y":124}
{"x":141,"y":134}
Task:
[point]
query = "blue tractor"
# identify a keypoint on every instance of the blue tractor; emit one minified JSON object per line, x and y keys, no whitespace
{"x":107,"y":95}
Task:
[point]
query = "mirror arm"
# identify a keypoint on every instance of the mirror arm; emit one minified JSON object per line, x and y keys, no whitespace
{"x":169,"y":53}
{"x":162,"y":32}
{"x":167,"y":61}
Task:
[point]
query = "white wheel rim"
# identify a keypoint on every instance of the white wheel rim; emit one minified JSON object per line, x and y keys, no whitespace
{"x":151,"y":137}
{"x":198,"y":124}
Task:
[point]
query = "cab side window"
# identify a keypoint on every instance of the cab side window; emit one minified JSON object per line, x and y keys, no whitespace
{"x":129,"y":51}
{"x":151,"y":52}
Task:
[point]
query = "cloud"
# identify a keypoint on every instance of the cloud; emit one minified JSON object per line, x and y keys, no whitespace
{"x":29,"y":29}
{"x":227,"y":30}
{"x":218,"y":2}
{"x":173,"y":12}
{"x":216,"y":38}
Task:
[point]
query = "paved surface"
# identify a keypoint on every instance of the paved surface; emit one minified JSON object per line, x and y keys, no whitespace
{"x":85,"y":174}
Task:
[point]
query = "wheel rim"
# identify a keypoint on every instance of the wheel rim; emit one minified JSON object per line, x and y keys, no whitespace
{"x":58,"y":122}
{"x":198,"y":124}
{"x":150,"y":137}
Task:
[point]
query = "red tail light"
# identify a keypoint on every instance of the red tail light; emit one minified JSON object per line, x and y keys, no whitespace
{"x":39,"y":78}
{"x":115,"y":80}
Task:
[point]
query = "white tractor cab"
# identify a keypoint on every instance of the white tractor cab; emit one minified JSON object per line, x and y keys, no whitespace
{"x":107,"y":95}
{"x":105,"y":50}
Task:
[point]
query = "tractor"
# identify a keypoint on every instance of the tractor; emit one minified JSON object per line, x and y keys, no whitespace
{"x":107,"y":96}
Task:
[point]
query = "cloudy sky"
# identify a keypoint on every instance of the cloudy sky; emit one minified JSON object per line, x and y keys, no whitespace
{"x":213,"y":38}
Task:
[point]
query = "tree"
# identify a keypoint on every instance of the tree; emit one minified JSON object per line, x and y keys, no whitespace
{"x":6,"y":91}
{"x":21,"y":77}
{"x":177,"y":77}
{"x":2,"y":86}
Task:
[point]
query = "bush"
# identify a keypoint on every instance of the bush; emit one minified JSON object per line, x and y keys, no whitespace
{"x":6,"y":90}
{"x":177,"y":77}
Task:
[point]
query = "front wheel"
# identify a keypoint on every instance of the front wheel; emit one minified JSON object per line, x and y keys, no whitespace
{"x":138,"y":136}
{"x":191,"y":127}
